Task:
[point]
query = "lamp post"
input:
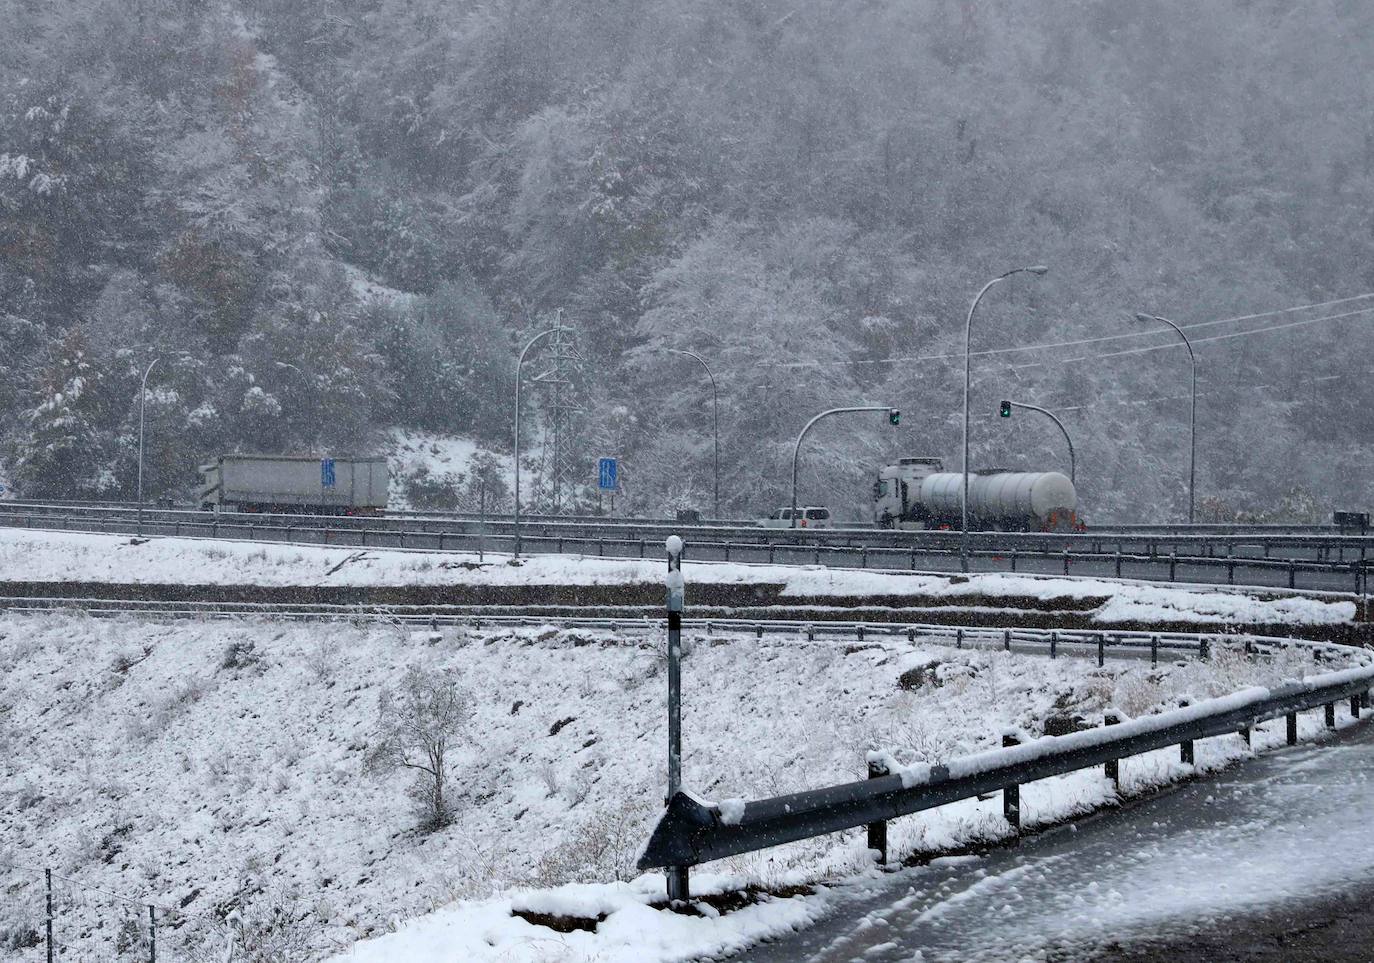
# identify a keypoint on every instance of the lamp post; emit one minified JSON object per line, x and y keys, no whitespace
{"x":715,"y":409}
{"x":1038,"y":270}
{"x":1073,"y":461}
{"x":519,"y":364}
{"x":893,"y":415}
{"x":1192,"y":414}
{"x":142,"y":397}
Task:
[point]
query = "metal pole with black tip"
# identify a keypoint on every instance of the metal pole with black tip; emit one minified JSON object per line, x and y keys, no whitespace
{"x":677,"y":875}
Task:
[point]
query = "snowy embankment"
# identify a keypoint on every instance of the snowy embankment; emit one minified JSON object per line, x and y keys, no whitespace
{"x":39,"y":556}
{"x":219,"y":768}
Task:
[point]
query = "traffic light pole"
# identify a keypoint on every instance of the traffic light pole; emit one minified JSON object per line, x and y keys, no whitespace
{"x":1073,"y":461}
{"x":893,"y":417}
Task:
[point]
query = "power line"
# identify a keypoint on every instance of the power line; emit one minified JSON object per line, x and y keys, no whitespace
{"x":987,"y":352}
{"x":1197,"y":341}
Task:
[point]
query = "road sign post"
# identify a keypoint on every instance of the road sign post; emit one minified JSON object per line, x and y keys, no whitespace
{"x":608,"y":474}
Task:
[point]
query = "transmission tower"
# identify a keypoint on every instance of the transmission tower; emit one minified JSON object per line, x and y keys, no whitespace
{"x":558,"y":473}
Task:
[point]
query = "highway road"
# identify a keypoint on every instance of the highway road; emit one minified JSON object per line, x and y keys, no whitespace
{"x":1325,"y":562}
{"x":1267,"y":861}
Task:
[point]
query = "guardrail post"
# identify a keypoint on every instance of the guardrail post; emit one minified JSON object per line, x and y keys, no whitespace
{"x":1331,"y":715}
{"x":1354,"y":707}
{"x":1173,"y":564}
{"x":1118,"y":562}
{"x":1011,"y":795}
{"x":810,"y":632}
{"x":1101,"y":650}
{"x":47,"y":873}
{"x":1066,"y":561}
{"x":860,"y":630}
{"x":678,"y":887}
{"x":1006,"y":639}
{"x":1014,"y":553}
{"x":1292,"y":573}
{"x":1245,"y":734}
{"x":1185,"y":748}
{"x":1154,"y":651}
{"x":1054,"y":645}
{"x":1292,"y":728}
{"x":1112,"y":767}
{"x":1204,"y":650}
{"x":959,"y":638}
{"x":877,"y":832}
{"x":911,"y":635}
{"x":727,"y":551}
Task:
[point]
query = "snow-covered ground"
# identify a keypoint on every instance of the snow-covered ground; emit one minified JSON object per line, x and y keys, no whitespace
{"x":218,"y":767}
{"x":62,"y":556}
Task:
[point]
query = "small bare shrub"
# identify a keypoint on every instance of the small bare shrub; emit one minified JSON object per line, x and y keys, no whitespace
{"x":241,"y":654}
{"x":603,"y":848}
{"x":324,"y":660}
{"x":417,"y":724}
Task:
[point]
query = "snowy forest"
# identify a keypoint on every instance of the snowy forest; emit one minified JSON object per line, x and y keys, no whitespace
{"x":335,"y":218}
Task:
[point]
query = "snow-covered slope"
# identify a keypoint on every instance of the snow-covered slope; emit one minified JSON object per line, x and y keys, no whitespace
{"x":434,"y":458}
{"x":218,"y":767}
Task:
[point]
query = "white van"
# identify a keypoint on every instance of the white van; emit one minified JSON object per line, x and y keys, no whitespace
{"x":813,"y":516}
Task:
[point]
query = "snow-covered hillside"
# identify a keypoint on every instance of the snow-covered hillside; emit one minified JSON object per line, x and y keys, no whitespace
{"x":423,"y":461}
{"x":218,"y":768}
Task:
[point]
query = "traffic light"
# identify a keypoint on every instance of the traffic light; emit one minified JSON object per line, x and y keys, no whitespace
{"x":1006,"y":409}
{"x":894,"y":417}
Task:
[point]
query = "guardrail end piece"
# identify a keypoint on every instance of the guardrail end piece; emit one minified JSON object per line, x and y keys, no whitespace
{"x":670,"y":842}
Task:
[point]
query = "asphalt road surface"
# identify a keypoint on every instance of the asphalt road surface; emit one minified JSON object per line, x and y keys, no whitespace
{"x":1271,"y":860}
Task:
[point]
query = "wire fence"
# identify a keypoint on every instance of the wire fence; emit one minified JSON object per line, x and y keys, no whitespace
{"x":47,"y":915}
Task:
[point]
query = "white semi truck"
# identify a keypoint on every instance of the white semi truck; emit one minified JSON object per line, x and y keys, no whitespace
{"x":299,"y":485}
{"x":917,"y":493}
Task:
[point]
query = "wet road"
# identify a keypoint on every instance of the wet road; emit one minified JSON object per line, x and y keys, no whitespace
{"x":1273,"y":853}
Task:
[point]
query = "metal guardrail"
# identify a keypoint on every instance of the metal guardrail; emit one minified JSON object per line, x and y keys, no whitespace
{"x":1042,"y":555}
{"x":1152,"y":540}
{"x":1052,"y":641}
{"x":693,"y":831}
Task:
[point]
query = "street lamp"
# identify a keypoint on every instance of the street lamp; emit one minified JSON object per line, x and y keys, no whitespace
{"x":715,"y":408}
{"x":1073,"y":461}
{"x":1192,"y":413}
{"x":142,"y":397}
{"x":519,"y":364}
{"x":1038,"y":270}
{"x":893,"y":418}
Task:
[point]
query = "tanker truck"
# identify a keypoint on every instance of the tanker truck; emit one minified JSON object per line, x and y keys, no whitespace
{"x":917,"y":493}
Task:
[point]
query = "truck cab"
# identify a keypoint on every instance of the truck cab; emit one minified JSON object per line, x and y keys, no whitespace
{"x":895,"y":504}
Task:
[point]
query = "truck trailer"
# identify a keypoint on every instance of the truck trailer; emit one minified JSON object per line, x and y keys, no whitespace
{"x":301,"y":485}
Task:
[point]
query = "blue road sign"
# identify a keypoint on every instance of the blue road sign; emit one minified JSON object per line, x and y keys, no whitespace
{"x":608,"y":472}
{"x":326,"y":472}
